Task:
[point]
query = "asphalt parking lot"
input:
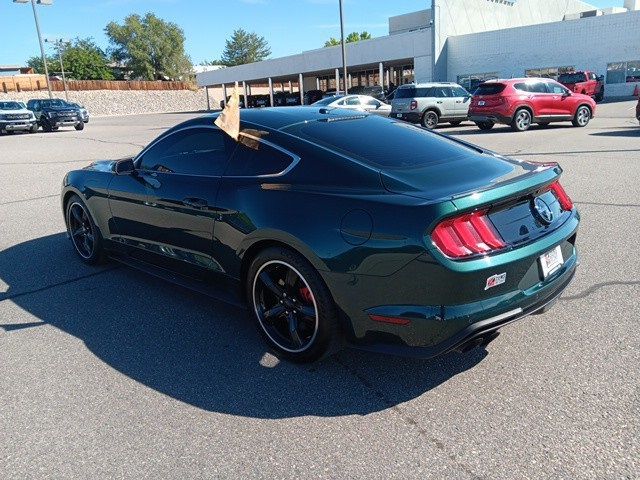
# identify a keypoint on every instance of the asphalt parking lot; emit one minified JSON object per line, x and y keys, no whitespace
{"x":108,"y":373}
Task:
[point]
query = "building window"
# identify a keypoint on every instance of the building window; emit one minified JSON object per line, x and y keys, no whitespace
{"x":623,"y":72}
{"x":548,"y":72}
{"x":471,"y":81}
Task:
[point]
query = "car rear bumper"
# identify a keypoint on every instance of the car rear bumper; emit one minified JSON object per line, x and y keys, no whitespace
{"x":488,"y":117}
{"x":483,"y":330}
{"x":413,"y":117}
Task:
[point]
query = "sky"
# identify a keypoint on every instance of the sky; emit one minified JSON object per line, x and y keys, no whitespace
{"x":290,"y":26}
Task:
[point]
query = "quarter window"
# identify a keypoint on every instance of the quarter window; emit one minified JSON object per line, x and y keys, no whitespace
{"x":256,"y":160}
{"x":193,"y":151}
{"x":352,"y":101}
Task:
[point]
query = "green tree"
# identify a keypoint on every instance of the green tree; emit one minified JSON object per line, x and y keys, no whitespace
{"x":150,"y":47}
{"x":332,"y":42}
{"x":244,"y":47}
{"x":352,"y":37}
{"x":82,"y":60}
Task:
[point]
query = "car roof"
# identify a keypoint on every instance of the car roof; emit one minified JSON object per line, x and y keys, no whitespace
{"x":520,"y":79}
{"x":278,"y":118}
{"x":429,"y":84}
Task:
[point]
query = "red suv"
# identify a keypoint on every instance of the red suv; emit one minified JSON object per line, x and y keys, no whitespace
{"x":519,"y":102}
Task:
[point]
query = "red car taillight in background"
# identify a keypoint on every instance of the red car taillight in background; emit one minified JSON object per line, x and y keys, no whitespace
{"x":413,"y":105}
{"x":467,"y":235}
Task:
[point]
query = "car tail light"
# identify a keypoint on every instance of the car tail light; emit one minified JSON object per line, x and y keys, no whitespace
{"x":413,"y":105}
{"x":467,"y":235}
{"x":561,"y":195}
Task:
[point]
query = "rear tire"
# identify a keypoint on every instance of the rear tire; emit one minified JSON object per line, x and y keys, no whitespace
{"x":430,"y":119}
{"x":456,"y":123}
{"x":485,"y":125}
{"x":292,"y":306}
{"x":521,"y":120}
{"x":582,"y":116}
{"x":85,"y":235}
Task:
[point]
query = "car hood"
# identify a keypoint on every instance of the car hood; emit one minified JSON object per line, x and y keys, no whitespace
{"x":14,"y":112}
{"x":458,"y":177}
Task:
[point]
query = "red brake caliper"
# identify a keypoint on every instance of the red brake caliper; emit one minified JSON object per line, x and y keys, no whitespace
{"x":305,"y":294}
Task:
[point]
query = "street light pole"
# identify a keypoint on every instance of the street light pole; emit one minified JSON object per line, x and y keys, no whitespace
{"x":58,"y":44}
{"x":344,"y":53}
{"x":35,"y":16}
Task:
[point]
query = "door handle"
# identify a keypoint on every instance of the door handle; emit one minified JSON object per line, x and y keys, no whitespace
{"x":438,"y":101}
{"x":195,"y":202}
{"x":458,"y":101}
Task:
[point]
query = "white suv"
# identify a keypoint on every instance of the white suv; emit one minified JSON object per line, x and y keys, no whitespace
{"x":15,"y":116}
{"x":431,"y":103}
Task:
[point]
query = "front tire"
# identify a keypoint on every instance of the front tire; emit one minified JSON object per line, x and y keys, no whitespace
{"x":85,"y":235}
{"x":582,"y":116}
{"x":293,"y":308}
{"x":430,"y":119}
{"x":80,"y":126}
{"x":521,"y":120}
{"x":46,"y":126}
{"x":34,"y":128}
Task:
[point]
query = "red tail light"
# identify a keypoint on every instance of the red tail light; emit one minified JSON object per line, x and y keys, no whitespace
{"x":466,"y":235}
{"x":413,"y":105}
{"x":561,"y":195}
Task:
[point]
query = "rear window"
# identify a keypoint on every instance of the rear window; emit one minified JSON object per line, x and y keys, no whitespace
{"x":489,"y":89}
{"x":413,"y":92}
{"x":571,"y":78}
{"x":388,"y":145}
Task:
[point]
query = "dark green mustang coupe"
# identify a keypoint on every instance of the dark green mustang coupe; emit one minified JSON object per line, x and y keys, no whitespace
{"x":335,"y":227}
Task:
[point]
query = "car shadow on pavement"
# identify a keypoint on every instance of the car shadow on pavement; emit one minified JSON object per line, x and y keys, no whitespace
{"x":194,"y":349}
{"x":627,"y":132}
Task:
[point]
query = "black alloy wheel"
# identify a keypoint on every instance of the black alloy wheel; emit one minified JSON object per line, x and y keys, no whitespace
{"x":293,"y":308}
{"x":430,"y":119}
{"x":84,"y":233}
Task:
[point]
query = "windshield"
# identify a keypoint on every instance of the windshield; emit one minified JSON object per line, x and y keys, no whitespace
{"x":54,"y":103}
{"x":327,"y":101}
{"x":10,"y":106}
{"x":571,"y":78}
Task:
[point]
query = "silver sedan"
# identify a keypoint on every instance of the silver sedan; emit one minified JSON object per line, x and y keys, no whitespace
{"x":362,"y":103}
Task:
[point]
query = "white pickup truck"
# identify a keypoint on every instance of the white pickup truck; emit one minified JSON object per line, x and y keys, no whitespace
{"x":15,"y":116}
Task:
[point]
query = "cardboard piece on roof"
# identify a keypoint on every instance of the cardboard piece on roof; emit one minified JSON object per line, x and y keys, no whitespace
{"x":229,"y":119}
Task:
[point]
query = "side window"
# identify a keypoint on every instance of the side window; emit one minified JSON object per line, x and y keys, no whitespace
{"x":522,"y":87}
{"x":537,"y":87}
{"x":341,"y":102}
{"x":592,"y":76}
{"x":373,"y":103}
{"x":459,"y":92}
{"x":193,"y":151}
{"x":442,"y":92}
{"x":556,"y":88}
{"x":252,"y":162}
{"x":353,"y":101}
{"x":424,"y":92}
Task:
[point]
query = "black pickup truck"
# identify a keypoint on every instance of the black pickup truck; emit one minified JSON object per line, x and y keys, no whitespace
{"x":53,"y":113}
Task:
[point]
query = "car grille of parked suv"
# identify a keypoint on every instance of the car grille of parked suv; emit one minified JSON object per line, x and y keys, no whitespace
{"x":17,"y":116}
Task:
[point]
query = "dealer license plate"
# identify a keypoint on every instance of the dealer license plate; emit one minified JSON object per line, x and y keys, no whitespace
{"x":551,"y":261}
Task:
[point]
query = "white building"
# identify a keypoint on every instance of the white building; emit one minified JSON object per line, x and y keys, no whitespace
{"x":467,"y":41}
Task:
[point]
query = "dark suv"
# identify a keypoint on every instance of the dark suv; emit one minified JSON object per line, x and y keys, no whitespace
{"x":53,"y":113}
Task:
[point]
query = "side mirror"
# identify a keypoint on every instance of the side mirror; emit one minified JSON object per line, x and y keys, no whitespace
{"x":125,"y":167}
{"x":566,"y":93}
